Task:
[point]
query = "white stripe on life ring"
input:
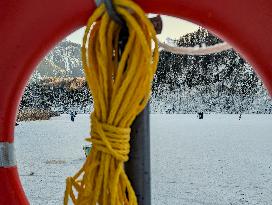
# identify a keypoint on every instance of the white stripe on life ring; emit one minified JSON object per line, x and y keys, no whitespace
{"x":7,"y":155}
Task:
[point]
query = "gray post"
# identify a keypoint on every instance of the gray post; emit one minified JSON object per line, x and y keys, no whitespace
{"x":138,"y":166}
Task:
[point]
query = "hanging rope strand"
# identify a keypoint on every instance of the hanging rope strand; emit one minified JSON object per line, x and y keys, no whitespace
{"x":120,"y":87}
{"x":195,"y":50}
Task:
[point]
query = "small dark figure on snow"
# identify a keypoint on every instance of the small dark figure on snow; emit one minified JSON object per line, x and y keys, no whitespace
{"x":72,"y":115}
{"x":200,"y":115}
{"x":240,"y":116}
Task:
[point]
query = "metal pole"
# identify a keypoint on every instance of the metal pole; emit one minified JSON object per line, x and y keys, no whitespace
{"x":138,"y":166}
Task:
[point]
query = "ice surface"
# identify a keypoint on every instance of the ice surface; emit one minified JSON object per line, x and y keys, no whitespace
{"x":216,"y":161}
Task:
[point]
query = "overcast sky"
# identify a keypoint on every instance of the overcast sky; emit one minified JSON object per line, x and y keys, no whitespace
{"x":172,"y":28}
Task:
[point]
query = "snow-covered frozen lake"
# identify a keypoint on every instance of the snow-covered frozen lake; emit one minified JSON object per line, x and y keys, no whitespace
{"x":216,"y":161}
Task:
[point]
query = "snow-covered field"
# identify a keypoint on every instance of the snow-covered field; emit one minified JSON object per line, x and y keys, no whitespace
{"x":216,"y":161}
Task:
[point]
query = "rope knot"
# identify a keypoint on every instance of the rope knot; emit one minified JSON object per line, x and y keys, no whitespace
{"x":110,"y":139}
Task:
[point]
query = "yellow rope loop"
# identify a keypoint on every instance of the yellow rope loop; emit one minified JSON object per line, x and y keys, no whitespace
{"x":110,"y":139}
{"x":120,"y":87}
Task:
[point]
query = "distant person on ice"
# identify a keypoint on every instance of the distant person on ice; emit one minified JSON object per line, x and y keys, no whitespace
{"x":200,"y":115}
{"x":72,"y":115}
{"x":240,"y":116}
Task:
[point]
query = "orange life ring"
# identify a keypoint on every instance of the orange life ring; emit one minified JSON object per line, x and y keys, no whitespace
{"x":28,"y":29}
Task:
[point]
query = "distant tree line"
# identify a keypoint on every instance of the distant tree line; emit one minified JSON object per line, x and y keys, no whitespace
{"x":221,"y":82}
{"x":215,"y":83}
{"x":59,"y":94}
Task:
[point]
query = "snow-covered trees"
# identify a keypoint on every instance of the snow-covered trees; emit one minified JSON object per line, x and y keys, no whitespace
{"x":58,"y":94}
{"x":216,"y":83}
{"x":221,"y":82}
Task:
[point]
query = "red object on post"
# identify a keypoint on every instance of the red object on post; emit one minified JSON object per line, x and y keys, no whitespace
{"x":30,"y":28}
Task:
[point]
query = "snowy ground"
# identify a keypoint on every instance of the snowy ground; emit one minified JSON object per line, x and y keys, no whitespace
{"x":216,"y":161}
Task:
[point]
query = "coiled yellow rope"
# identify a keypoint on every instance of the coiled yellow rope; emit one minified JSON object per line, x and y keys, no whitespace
{"x":121,"y":89}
